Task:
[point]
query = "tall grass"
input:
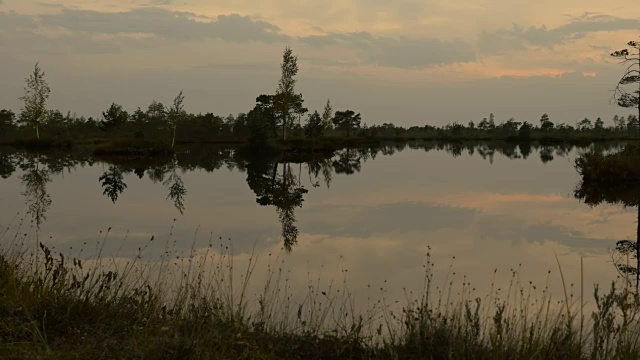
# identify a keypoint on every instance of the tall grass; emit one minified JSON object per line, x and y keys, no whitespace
{"x":200,"y":305}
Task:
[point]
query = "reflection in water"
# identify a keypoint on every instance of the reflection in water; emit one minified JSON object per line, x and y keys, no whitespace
{"x":7,"y":165}
{"x":317,"y":167}
{"x":112,"y":182}
{"x":37,"y":198}
{"x":165,"y":172}
{"x":273,"y":180}
{"x":594,"y":191}
{"x":546,"y":154}
{"x":282,"y":190}
{"x":177,"y":190}
{"x":348,"y":162}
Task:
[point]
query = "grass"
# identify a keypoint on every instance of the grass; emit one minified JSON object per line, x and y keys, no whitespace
{"x":198,"y":306}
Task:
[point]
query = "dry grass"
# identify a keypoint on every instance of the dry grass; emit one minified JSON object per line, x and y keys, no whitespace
{"x":198,"y":306}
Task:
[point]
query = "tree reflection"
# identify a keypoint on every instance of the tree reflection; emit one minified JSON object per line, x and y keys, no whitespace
{"x":595,"y":189}
{"x":317,"y":167}
{"x":280,"y":189}
{"x":348,"y":162}
{"x":37,"y":198}
{"x":165,"y":170}
{"x":7,"y":165}
{"x":546,"y":154}
{"x":112,"y":182}
{"x":177,"y":190}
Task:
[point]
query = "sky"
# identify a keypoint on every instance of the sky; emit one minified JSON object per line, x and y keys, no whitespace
{"x":408,"y":62}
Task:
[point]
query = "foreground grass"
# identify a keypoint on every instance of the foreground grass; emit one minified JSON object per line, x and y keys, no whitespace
{"x":197,"y":307}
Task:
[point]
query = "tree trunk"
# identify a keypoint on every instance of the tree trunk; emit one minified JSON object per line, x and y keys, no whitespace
{"x":284,"y":127}
{"x":173,"y":141}
{"x":273,"y":176}
{"x":638,"y":253}
{"x":37,"y":132}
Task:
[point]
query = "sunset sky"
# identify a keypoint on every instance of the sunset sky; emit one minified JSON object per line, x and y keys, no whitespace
{"x":410,"y":62}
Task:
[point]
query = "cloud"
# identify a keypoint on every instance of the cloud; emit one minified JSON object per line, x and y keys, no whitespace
{"x":159,"y":23}
{"x":153,"y":25}
{"x":398,"y":52}
{"x":513,"y":230}
{"x":520,"y":38}
{"x":161,"y":2}
{"x":387,"y":218}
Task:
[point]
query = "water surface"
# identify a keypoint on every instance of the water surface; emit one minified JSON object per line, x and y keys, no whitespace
{"x":376,"y":212}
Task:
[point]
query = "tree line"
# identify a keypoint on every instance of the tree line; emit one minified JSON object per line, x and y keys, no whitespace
{"x":283,"y":115}
{"x":274,"y":116}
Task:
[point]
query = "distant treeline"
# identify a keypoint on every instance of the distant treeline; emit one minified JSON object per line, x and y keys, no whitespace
{"x":280,"y":116}
{"x":153,"y":123}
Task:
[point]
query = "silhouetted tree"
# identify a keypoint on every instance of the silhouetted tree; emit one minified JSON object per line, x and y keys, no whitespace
{"x":631,"y":58}
{"x":327,"y":115}
{"x":175,"y":115}
{"x":347,"y":120}
{"x":585,"y":124}
{"x":262,"y":120}
{"x":525,"y":130}
{"x":287,"y":102}
{"x":545,"y":123}
{"x":599,"y":124}
{"x":57,"y":124}
{"x":114,"y":118}
{"x":7,"y":121}
{"x":36,"y":93}
{"x":156,"y":113}
{"x":315,"y":126}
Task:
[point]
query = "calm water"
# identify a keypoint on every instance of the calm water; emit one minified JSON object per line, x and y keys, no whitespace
{"x":375,"y":212}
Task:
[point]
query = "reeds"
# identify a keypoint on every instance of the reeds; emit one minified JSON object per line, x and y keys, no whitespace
{"x":199,"y":304}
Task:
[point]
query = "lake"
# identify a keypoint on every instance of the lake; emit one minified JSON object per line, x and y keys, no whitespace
{"x":369,"y":216}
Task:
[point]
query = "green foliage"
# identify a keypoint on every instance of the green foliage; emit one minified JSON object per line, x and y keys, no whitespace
{"x":545,"y":123}
{"x":7,"y":122}
{"x":261,"y":121}
{"x":347,"y":120}
{"x":630,"y":77}
{"x":315,"y":126}
{"x":286,"y":103}
{"x":599,"y":124}
{"x":175,"y":115}
{"x":585,"y":124}
{"x":525,"y":130}
{"x":327,"y":115}
{"x":114,"y":118}
{"x":36,"y":93}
